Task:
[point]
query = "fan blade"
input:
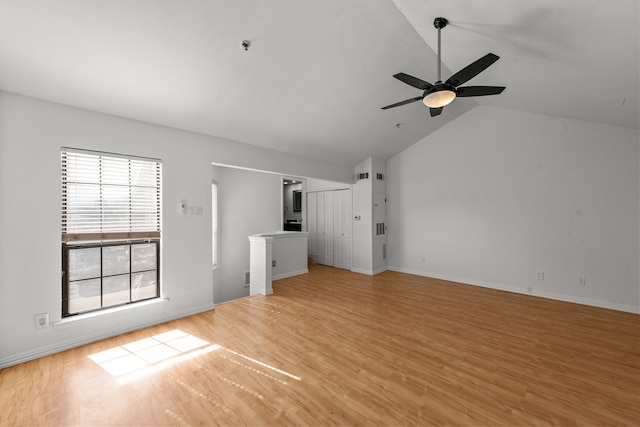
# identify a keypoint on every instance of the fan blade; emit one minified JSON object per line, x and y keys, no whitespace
{"x":435,"y":111}
{"x":472,"y":70}
{"x":413,"y":81}
{"x":406,"y":101}
{"x":478,"y":90}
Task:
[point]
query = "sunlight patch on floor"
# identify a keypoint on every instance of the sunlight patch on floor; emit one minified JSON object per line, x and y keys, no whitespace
{"x":280,"y":371}
{"x":149,"y":355}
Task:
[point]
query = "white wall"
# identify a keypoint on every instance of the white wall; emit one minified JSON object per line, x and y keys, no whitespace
{"x":367,"y":247}
{"x":362,"y":261}
{"x":289,"y":252}
{"x":379,"y":191}
{"x":497,"y":195}
{"x":249,"y":203}
{"x":31,"y":134}
{"x":323,"y":185}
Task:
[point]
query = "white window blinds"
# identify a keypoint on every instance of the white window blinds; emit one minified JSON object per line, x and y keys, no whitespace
{"x":109,"y":197}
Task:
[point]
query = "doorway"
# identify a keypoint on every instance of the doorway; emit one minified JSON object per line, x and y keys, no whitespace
{"x":292,"y":206}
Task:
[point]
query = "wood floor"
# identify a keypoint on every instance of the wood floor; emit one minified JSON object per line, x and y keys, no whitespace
{"x":340,"y":348}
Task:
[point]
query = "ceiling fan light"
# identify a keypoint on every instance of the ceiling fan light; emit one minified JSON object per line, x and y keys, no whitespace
{"x":439,"y":98}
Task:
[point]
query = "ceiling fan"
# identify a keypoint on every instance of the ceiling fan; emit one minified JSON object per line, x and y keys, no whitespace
{"x":437,"y":95}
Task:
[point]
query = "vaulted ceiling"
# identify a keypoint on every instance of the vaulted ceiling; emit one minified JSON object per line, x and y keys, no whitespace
{"x":317,"y":71}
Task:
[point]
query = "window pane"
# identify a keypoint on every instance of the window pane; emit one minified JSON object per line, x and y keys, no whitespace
{"x":144,"y":209}
{"x":144,"y":285}
{"x":82,"y":167}
{"x":84,"y":263}
{"x":84,"y":295}
{"x":82,"y":208}
{"x":115,"y":290}
{"x":143,"y":257}
{"x":115,"y":260}
{"x":115,"y":208}
{"x":144,"y":173}
{"x":115,"y":170}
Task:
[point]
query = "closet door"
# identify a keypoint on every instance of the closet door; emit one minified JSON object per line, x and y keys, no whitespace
{"x":337,"y":227}
{"x":325,"y":227}
{"x":312,"y":223}
{"x":320,"y":221}
{"x":342,"y":228}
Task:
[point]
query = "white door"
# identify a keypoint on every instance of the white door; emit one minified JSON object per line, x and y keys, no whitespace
{"x":312,"y":223}
{"x":327,"y":226}
{"x":320,"y":217}
{"x":342,"y":227}
{"x":337,"y":230}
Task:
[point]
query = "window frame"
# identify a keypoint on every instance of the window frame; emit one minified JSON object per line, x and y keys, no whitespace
{"x":66,"y":248}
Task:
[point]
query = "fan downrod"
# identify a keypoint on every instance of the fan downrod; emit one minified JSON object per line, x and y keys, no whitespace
{"x":440,"y":22}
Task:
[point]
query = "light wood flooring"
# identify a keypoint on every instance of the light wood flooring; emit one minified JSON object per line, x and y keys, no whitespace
{"x":340,"y":348}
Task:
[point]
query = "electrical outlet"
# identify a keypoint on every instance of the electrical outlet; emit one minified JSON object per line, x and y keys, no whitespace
{"x":582,"y":282}
{"x":540,"y":275}
{"x":42,"y":320}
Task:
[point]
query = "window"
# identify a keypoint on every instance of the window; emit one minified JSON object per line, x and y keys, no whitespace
{"x":297,"y":201}
{"x":103,"y":275}
{"x":110,"y":230}
{"x":214,"y":223}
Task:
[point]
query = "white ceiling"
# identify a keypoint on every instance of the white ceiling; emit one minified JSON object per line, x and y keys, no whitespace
{"x":318,"y":71}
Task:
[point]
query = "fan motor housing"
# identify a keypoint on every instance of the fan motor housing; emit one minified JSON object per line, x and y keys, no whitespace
{"x":440,"y":22}
{"x":437,"y":87}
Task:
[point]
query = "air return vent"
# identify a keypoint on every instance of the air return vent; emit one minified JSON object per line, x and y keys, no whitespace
{"x":380,"y":176}
{"x":364,"y":175}
{"x":380,"y":229}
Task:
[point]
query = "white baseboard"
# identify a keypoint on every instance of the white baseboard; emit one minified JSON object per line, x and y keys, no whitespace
{"x":67,"y":345}
{"x":525,"y":291}
{"x":369,"y":272}
{"x":362,"y":271}
{"x":290,"y":274}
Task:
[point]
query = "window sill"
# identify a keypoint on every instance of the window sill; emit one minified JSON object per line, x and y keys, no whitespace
{"x":70,"y":321}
